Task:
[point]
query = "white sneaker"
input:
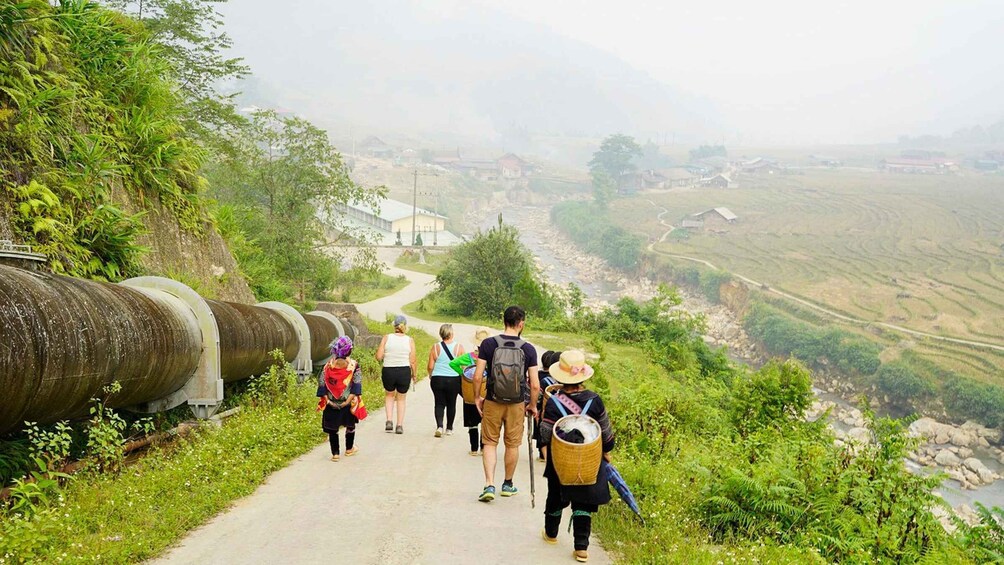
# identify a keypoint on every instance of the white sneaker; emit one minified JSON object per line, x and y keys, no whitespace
{"x":449,"y":432}
{"x":439,"y":432}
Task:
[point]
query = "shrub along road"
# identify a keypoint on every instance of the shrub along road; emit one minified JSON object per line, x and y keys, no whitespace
{"x":403,"y":499}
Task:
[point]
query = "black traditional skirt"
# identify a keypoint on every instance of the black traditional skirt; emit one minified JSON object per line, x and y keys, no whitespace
{"x":334,"y":418}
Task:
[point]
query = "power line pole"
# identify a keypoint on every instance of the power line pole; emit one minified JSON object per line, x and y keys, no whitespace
{"x":414,"y":207}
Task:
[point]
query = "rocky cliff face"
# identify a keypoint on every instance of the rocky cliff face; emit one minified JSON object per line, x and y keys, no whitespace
{"x":200,"y":260}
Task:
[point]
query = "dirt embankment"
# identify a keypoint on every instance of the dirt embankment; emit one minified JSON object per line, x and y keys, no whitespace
{"x":200,"y":260}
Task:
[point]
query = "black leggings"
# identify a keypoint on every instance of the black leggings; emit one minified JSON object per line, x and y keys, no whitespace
{"x":350,"y":438}
{"x":582,"y":515}
{"x":445,"y":390}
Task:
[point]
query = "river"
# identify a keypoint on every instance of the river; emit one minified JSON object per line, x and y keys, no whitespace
{"x":562,"y":264}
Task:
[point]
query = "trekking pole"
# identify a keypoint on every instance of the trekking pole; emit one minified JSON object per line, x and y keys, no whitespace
{"x":529,"y":452}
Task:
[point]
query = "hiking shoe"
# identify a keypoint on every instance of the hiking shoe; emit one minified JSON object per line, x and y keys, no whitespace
{"x":488,"y":494}
{"x":581,"y":555}
{"x":449,"y":432}
{"x":439,"y":432}
{"x":399,"y":430}
{"x":334,"y":458}
{"x":547,"y":538}
{"x":388,"y":427}
{"x":352,"y":452}
{"x":509,"y":490}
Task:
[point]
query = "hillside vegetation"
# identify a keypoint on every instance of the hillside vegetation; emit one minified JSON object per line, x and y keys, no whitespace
{"x":725,"y":466}
{"x":88,"y":124}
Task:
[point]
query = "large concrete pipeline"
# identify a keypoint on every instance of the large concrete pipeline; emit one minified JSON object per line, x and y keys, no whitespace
{"x":63,"y":339}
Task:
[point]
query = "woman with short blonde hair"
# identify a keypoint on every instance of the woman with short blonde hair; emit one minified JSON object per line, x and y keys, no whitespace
{"x":397,"y":352}
{"x":443,"y":379}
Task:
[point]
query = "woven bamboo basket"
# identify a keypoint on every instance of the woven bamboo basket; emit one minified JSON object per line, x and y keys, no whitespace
{"x":576,"y":463}
{"x":467,"y":389}
{"x":550,"y":391}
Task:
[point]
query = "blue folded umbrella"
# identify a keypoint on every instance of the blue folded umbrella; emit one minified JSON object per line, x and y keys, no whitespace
{"x":617,"y":481}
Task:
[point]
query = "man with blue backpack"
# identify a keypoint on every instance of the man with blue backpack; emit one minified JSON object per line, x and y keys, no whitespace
{"x":513,"y":387}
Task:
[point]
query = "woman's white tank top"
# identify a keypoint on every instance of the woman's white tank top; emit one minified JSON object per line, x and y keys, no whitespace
{"x":397,"y":351}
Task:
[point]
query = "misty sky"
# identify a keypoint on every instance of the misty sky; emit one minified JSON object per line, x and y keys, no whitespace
{"x":766,"y":72}
{"x":805,"y":71}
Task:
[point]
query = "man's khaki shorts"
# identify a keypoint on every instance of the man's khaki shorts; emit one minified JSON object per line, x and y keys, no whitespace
{"x":513,"y":416}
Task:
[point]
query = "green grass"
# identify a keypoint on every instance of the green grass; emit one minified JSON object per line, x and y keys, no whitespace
{"x":370,"y":288}
{"x":427,"y":309}
{"x":168,"y":492}
{"x":434,"y":262}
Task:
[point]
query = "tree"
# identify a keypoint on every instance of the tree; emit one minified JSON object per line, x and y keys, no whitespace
{"x":418,"y":240}
{"x":707,"y":151}
{"x":615,"y":156}
{"x":489,"y":272}
{"x":604,"y":188}
{"x":398,"y":240}
{"x":190,"y":34}
{"x":285,"y":183}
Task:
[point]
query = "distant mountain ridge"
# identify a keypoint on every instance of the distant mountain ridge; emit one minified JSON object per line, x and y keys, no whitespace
{"x":470,"y":70}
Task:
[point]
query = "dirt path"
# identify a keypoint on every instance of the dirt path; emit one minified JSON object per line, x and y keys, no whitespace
{"x":806,"y":303}
{"x":404,"y":499}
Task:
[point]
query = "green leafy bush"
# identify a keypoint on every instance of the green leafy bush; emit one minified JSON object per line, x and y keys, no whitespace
{"x":904,"y":387}
{"x":783,"y":335}
{"x":773,"y":397}
{"x":588,"y":225}
{"x":969,"y":399}
{"x":493,"y":270}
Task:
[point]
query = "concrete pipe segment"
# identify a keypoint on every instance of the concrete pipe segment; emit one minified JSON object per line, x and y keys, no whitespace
{"x":248,"y":335}
{"x":62,"y":339}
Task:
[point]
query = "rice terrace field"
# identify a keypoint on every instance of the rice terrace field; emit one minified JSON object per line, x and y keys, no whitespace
{"x":925,"y":252}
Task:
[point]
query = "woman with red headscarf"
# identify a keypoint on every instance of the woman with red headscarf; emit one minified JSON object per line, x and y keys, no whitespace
{"x":341,"y":397}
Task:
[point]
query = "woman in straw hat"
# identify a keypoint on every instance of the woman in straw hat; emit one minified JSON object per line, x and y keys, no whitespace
{"x":571,"y":371}
{"x":472,"y":418}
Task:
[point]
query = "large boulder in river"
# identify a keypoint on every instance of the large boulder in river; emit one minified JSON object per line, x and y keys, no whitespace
{"x":946,"y":458}
{"x":982,"y":471}
{"x":963,"y":438}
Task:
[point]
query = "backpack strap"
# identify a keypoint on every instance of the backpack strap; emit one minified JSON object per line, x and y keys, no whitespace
{"x":446,"y":348}
{"x":517,"y":343}
{"x":585,"y":409}
{"x":558,"y":405}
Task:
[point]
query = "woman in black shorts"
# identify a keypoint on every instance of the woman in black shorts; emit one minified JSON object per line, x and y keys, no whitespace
{"x":397,"y":352}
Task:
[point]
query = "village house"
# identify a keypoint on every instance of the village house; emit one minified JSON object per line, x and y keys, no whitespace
{"x":758,"y":165}
{"x":673,"y":177}
{"x":511,"y":166}
{"x":680,"y":177}
{"x":917,"y":166}
{"x":718,"y":181}
{"x":481,"y":169}
{"x":652,"y":179}
{"x":720,"y":216}
{"x":373,"y":146}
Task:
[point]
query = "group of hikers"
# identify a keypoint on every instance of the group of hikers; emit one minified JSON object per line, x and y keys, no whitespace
{"x":501,"y":383}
